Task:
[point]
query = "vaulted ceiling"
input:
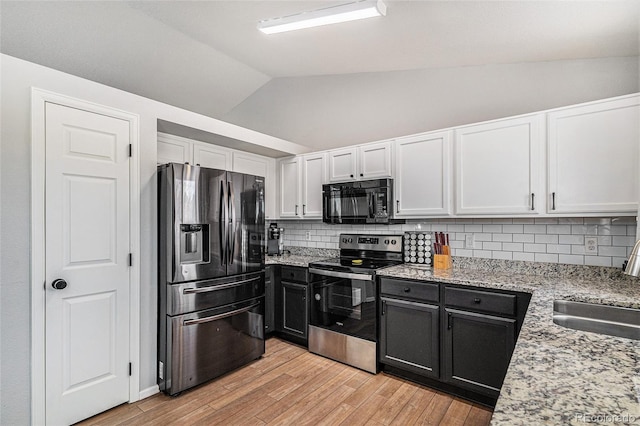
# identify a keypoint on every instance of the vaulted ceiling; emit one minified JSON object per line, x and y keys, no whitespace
{"x":208,"y":57}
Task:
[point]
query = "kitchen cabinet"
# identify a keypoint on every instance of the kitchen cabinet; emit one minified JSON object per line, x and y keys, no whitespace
{"x":497,"y":167}
{"x":174,"y":150}
{"x":177,"y":149}
{"x":212,"y":156}
{"x":301,"y":180}
{"x":422,"y":184}
{"x":269,"y":299}
{"x":370,"y":161}
{"x":292,"y":304}
{"x":479,"y":336}
{"x":593,"y":157}
{"x":409,"y":326}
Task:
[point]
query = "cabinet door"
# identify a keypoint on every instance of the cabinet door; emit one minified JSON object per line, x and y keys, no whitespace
{"x":477,"y":350}
{"x":593,"y":158}
{"x":313,"y":176}
{"x":289,"y":187}
{"x":253,"y":164}
{"x":269,"y":299}
{"x":342,"y":165}
{"x":498,"y":167}
{"x":422,"y":185}
{"x":174,"y":150}
{"x":295,"y":313}
{"x":375,"y":160}
{"x":212,"y":156}
{"x":409,"y":337}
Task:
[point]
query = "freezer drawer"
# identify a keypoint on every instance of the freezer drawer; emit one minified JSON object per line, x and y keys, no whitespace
{"x":206,"y":344}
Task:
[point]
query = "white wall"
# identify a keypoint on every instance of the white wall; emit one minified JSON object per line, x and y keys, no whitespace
{"x":15,"y":287}
{"x":329,"y":111}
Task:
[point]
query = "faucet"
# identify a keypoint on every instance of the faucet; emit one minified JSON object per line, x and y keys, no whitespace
{"x":632,"y":266}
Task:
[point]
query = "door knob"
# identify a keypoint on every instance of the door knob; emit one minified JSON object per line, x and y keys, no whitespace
{"x":59,"y":284}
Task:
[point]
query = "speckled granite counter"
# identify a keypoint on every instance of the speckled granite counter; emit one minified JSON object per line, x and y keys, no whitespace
{"x":558,"y":375}
{"x":293,"y":260}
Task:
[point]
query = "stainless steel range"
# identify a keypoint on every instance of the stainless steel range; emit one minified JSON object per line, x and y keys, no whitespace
{"x":343,"y":320}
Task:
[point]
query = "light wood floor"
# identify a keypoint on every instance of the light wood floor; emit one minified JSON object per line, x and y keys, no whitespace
{"x":290,"y":386}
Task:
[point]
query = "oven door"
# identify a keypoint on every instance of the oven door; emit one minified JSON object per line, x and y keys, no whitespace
{"x":344,"y":303}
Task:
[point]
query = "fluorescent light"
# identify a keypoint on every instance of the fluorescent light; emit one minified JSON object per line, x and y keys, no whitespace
{"x":331,"y":15}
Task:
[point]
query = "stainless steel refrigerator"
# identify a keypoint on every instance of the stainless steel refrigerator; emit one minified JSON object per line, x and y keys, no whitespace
{"x":210,"y":273}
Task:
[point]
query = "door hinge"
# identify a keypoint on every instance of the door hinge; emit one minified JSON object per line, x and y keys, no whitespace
{"x":130,"y":150}
{"x":130,"y":367}
{"x":130,"y":259}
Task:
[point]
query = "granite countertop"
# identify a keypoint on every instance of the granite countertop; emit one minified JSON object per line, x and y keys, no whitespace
{"x":558,"y":375}
{"x":292,"y":260}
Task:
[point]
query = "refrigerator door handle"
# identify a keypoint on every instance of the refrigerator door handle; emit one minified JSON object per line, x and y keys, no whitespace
{"x":232,"y":230}
{"x":223,"y":224}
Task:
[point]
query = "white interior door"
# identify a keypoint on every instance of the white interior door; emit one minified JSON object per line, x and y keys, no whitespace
{"x":87,"y":246}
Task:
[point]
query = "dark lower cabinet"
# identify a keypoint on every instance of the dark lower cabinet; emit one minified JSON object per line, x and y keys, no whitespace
{"x":477,"y":350}
{"x":269,"y":296}
{"x":295,"y":312}
{"x":409,"y":336}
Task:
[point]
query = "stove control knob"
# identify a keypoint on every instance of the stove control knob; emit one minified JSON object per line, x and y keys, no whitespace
{"x":317,"y":296}
{"x":393,"y":242}
{"x":386,"y":241}
{"x":350,"y":240}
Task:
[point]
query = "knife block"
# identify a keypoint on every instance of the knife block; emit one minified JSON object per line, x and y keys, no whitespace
{"x":442,"y":261}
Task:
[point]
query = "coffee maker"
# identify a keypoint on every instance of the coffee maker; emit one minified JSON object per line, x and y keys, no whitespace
{"x":275,"y":240}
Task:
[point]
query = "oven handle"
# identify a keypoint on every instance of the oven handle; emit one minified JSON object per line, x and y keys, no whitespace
{"x":347,"y":275}
{"x":191,"y":290}
{"x":220,"y":316}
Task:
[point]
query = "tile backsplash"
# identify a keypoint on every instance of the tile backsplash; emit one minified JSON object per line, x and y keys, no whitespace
{"x":553,"y":240}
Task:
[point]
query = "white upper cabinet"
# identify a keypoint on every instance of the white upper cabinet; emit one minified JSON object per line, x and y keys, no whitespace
{"x":289,"y":187}
{"x":172,"y":149}
{"x":422,"y":184}
{"x":212,"y":156}
{"x":301,"y":180}
{"x":593,"y":157}
{"x":497,"y":167}
{"x":342,"y":165}
{"x":375,"y":160}
{"x":368,"y":161}
{"x":313,"y":177}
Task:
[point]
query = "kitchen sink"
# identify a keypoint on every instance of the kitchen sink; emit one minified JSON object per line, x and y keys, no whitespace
{"x":602,"y":319}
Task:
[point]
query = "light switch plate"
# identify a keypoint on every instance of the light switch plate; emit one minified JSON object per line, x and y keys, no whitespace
{"x":307,"y":235}
{"x":468,"y":241}
{"x":591,"y":245}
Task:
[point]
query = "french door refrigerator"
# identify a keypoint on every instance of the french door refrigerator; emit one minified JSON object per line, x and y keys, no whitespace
{"x":210,"y":273}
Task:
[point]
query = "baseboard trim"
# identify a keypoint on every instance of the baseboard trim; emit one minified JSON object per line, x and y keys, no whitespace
{"x":152,"y":390}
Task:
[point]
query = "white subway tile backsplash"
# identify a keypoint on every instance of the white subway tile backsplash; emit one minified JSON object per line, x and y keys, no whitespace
{"x":523,"y":238}
{"x":546,"y":257}
{"x":557,"y":240}
{"x":546,"y":238}
{"x":535,"y":229}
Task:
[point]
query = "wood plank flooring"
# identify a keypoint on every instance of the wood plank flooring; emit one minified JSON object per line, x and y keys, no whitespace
{"x":290,"y":386}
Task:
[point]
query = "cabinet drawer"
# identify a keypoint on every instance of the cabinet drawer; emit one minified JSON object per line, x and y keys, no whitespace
{"x":292,"y":273}
{"x":477,"y":300}
{"x":411,"y":289}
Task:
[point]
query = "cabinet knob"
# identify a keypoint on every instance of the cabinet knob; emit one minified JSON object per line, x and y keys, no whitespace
{"x":361,"y":175}
{"x":351,"y":175}
{"x":476,"y":300}
{"x":407,"y":289}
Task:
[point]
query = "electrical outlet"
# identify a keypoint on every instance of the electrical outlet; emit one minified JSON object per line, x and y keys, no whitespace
{"x":307,"y":235}
{"x":591,"y":245}
{"x":468,"y":241}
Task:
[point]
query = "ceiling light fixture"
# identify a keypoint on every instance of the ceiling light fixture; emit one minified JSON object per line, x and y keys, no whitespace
{"x":331,"y":15}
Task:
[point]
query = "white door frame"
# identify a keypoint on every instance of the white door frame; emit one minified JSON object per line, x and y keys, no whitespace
{"x":39,"y":98}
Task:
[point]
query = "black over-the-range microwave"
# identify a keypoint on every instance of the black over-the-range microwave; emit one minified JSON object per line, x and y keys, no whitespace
{"x":365,"y":201}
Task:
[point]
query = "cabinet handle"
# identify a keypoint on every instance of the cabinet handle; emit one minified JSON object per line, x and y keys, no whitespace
{"x":304,"y":209}
{"x":448,"y":320}
{"x":476,"y":300}
{"x":407,"y":289}
{"x":533,"y":201}
{"x":384,"y":304}
{"x":553,"y":201}
{"x":397,"y":206}
{"x":296,"y":210}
